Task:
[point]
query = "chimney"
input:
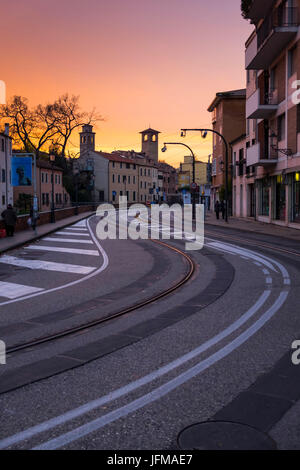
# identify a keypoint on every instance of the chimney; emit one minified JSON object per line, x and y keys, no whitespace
{"x":6,"y":130}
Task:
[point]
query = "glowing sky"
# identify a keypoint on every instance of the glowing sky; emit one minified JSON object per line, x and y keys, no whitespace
{"x":138,"y":62}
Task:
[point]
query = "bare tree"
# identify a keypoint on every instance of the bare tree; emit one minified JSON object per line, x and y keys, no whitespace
{"x":33,"y":129}
{"x":70,"y":117}
{"x":37,"y":129}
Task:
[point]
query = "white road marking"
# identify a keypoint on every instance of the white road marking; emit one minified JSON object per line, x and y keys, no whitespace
{"x":73,"y":283}
{"x":79,"y":230}
{"x":47,"y":265}
{"x":73,"y":233}
{"x":67,"y":240}
{"x":166,"y":388}
{"x":82,"y":223}
{"x":50,"y":424}
{"x":11,"y":290}
{"x":56,"y":249}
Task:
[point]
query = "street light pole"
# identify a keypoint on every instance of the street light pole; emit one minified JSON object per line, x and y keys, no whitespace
{"x":164,"y":149}
{"x":204,"y":132}
{"x":52,"y":160}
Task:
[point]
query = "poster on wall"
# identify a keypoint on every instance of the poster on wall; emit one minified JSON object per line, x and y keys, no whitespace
{"x":21,"y":171}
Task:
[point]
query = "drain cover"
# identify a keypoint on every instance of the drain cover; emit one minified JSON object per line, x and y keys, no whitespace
{"x":222,"y":435}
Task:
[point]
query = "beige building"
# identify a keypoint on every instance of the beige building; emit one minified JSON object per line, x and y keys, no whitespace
{"x":273,"y":116}
{"x":200,"y":170}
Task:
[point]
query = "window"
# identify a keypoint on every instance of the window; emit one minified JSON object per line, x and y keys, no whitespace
{"x":141,"y":184}
{"x":128,"y":179}
{"x":43,"y":199}
{"x":119,"y":179}
{"x":149,"y":173}
{"x":113,"y":164}
{"x":42,"y":179}
{"x":3,"y":178}
{"x":46,"y":177}
{"x":133,"y":195}
{"x":145,"y":172}
{"x":124,"y":178}
{"x":3,"y":200}
{"x":141,"y":172}
{"x":121,"y":165}
{"x":134,"y":180}
{"x":291,"y":61}
{"x":281,"y":127}
{"x":113,"y":178}
{"x":128,"y":166}
{"x":47,"y":199}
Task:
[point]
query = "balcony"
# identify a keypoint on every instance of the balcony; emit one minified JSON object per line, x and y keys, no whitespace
{"x":255,"y":158}
{"x":258,"y":107}
{"x":276,"y":32}
{"x":259,"y":9}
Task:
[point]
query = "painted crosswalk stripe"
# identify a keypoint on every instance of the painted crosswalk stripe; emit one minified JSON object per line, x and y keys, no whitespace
{"x":67,"y":240}
{"x":77,"y":229}
{"x":47,"y":265}
{"x":80,"y":224}
{"x":79,"y":234}
{"x":12,"y":291}
{"x":56,"y":249}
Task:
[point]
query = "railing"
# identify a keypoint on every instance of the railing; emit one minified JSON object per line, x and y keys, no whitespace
{"x":280,"y":17}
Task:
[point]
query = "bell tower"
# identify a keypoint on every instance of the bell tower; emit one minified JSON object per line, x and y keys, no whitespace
{"x":87,"y":139}
{"x":150,"y":143}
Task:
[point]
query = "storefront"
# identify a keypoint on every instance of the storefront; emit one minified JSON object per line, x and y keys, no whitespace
{"x":264,"y":200}
{"x":296,"y":198}
{"x":280,"y":199}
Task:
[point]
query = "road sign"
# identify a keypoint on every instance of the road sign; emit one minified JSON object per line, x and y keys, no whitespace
{"x":194,"y":186}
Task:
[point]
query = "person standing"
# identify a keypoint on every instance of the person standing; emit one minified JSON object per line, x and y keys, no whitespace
{"x":217,"y":209}
{"x":10,"y":219}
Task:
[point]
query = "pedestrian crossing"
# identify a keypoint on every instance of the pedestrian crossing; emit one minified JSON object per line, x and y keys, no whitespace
{"x":53,"y":259}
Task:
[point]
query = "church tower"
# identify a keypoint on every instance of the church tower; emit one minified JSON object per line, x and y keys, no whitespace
{"x":87,"y":139}
{"x":150,"y":143}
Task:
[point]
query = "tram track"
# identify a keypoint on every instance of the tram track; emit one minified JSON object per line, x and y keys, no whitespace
{"x":94,"y":323}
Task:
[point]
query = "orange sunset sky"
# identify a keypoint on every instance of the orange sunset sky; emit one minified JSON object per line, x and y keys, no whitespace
{"x":138,"y":62}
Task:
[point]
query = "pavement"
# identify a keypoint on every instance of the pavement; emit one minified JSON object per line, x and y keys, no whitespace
{"x":21,"y":238}
{"x":249,"y":225}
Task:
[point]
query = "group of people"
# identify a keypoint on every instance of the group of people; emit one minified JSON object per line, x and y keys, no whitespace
{"x":10,"y":219}
{"x":220,"y":207}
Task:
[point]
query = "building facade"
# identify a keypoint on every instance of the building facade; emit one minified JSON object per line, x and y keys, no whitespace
{"x":273,"y":112}
{"x":23,"y":195}
{"x":138,"y":175}
{"x":6,"y":190}
{"x":228,"y":118}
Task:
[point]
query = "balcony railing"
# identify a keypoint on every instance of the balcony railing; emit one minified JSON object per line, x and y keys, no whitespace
{"x":279,"y":18}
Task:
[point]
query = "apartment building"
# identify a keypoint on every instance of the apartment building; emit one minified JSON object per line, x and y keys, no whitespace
{"x":228,"y":118}
{"x":6,"y":190}
{"x":273,"y":115}
{"x":200,"y":170}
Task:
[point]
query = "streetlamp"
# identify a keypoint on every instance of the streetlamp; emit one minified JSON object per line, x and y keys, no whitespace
{"x":52,"y":160}
{"x":164,"y":149}
{"x":204,"y":135}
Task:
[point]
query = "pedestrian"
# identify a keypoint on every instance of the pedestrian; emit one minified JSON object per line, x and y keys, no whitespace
{"x":10,"y":219}
{"x":217,"y":209}
{"x":33,"y":218}
{"x":223,"y":209}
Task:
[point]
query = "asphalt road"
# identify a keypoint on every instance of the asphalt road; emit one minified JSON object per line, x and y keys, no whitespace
{"x":218,"y":348}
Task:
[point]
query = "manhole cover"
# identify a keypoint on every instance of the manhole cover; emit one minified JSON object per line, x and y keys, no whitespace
{"x":222,"y":435}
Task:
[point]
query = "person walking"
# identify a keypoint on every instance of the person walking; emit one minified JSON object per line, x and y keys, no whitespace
{"x":10,"y":219}
{"x":217,"y":209}
{"x":33,"y":219}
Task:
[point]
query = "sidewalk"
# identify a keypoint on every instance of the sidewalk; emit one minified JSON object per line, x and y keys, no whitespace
{"x":25,"y":236}
{"x":248,"y":225}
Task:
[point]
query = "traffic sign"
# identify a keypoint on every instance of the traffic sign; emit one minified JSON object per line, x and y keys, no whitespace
{"x":194,"y":186}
